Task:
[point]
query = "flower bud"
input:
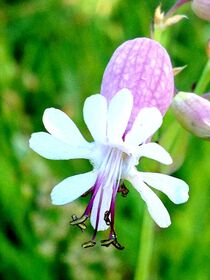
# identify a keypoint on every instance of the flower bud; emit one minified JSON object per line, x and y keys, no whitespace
{"x":193,"y":113}
{"x":143,"y":66}
{"x":202,"y":8}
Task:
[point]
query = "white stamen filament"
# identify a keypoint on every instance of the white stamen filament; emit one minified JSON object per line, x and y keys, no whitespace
{"x":110,"y":174}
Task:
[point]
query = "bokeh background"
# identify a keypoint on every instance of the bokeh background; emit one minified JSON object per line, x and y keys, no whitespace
{"x":53,"y":54}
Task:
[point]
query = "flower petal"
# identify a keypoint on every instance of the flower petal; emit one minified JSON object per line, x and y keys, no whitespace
{"x":62,"y":127}
{"x":103,"y":205}
{"x":154,"y":151}
{"x":155,"y":206}
{"x":73,"y":187}
{"x":145,"y":125}
{"x":52,"y":148}
{"x":176,"y":189}
{"x":95,"y":116}
{"x":119,"y":111}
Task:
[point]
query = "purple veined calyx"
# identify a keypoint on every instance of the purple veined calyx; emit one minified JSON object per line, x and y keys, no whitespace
{"x":143,"y":66}
{"x":136,"y":91}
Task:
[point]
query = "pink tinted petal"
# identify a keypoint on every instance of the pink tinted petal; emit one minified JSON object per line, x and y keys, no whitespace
{"x":143,"y":66}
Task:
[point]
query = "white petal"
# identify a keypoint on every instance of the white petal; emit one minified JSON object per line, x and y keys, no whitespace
{"x":52,"y":148}
{"x":176,"y":189}
{"x":95,"y":116}
{"x":62,"y":127}
{"x":154,"y":151}
{"x":155,"y":206}
{"x":145,"y":125}
{"x":118,"y":115}
{"x":104,"y":206}
{"x":73,"y":187}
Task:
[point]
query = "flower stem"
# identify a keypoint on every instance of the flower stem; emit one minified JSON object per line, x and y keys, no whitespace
{"x":204,"y":79}
{"x":178,"y":4}
{"x":157,"y":36}
{"x":146,"y":245}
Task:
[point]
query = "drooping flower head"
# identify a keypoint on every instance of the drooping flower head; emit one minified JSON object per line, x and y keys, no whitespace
{"x":120,"y":120}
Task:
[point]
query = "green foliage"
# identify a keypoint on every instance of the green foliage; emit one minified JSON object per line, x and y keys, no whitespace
{"x":53,"y":54}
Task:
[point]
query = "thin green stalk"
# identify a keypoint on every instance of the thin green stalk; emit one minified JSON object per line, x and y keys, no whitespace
{"x":178,"y":4}
{"x":204,"y":79}
{"x":157,"y":36}
{"x":146,"y":246}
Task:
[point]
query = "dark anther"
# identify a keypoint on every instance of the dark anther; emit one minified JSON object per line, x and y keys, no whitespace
{"x":106,"y":242}
{"x":76,"y":220}
{"x":79,"y":222}
{"x":106,"y":218}
{"x":88,"y":244}
{"x":124,"y":191}
{"x":117,"y":245}
{"x":113,"y":241}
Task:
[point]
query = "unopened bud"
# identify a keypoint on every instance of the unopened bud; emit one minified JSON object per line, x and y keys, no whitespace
{"x":202,"y":8}
{"x":193,"y":113}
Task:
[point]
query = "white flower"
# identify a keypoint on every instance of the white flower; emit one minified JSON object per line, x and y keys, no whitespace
{"x":114,"y":156}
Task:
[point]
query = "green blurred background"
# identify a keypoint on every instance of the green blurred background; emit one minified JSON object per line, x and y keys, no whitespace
{"x":53,"y":54}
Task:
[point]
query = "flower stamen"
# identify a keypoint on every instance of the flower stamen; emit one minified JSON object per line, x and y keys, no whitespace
{"x":112,"y":241}
{"x":89,"y":244}
{"x":106,"y":218}
{"x":123,"y":190}
{"x":79,"y":222}
{"x":98,"y":216}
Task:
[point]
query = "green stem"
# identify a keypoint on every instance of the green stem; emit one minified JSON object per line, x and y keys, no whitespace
{"x":204,"y":79}
{"x":146,"y":246}
{"x":160,"y":36}
{"x":178,"y":4}
{"x":157,"y":36}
